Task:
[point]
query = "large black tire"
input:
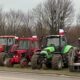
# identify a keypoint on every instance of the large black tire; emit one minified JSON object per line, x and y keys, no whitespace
{"x":47,"y":64}
{"x":57,"y":62}
{"x":71,"y":56}
{"x":3,"y":56}
{"x":24,"y":63}
{"x":66,"y":58}
{"x":71,"y":59}
{"x":34,"y":62}
{"x":44,"y":66}
{"x":7,"y":63}
{"x":1,"y":59}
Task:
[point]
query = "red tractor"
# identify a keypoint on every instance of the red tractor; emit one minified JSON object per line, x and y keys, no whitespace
{"x":5,"y":43}
{"x":26,"y":49}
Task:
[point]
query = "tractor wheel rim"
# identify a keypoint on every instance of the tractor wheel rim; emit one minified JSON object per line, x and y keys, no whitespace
{"x":24,"y":63}
{"x":5,"y":62}
{"x":59,"y":64}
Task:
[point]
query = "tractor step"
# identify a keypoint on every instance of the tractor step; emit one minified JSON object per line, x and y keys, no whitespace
{"x":76,"y":64}
{"x":76,"y":67}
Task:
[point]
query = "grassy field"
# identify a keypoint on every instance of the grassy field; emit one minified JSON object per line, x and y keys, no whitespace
{"x":48,"y":72}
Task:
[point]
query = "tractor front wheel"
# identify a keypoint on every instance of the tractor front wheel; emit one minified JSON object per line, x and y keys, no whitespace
{"x":7,"y":62}
{"x":3,"y":56}
{"x":34,"y":62}
{"x":72,"y":59}
{"x":57,"y":62}
{"x":23,"y":63}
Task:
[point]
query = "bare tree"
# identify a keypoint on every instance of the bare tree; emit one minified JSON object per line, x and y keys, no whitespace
{"x":27,"y":24}
{"x":13,"y":21}
{"x":78,"y":19}
{"x":57,"y":14}
{"x":54,"y":14}
{"x":39,"y":24}
{"x":2,"y":22}
{"x":45,"y":19}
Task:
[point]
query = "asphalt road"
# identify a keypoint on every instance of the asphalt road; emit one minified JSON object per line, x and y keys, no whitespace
{"x":30,"y":76}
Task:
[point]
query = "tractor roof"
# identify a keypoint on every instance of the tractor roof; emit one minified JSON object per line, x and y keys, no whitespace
{"x":56,"y":36}
{"x":29,"y":38}
{"x":8,"y":36}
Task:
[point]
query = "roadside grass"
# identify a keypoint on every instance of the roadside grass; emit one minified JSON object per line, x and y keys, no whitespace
{"x":64,"y":72}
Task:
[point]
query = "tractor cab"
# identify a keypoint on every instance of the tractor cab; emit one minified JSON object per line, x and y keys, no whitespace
{"x":6,"y":42}
{"x":29,"y":44}
{"x":57,"y":41}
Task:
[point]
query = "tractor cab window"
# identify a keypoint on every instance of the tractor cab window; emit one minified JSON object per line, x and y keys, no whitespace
{"x":23,"y":44}
{"x":10,"y":41}
{"x":63,"y":41}
{"x":7,"y":41}
{"x":34,"y":44}
{"x":53,"y":40}
{"x":43,"y":42}
{"x":3,"y":41}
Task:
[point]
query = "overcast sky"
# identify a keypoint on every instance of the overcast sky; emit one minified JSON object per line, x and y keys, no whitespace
{"x":25,"y":5}
{"x":76,"y":5}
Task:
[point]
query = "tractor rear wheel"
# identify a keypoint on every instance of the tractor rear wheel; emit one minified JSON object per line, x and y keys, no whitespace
{"x":71,"y":59}
{"x":57,"y":62}
{"x":1,"y":59}
{"x":7,"y":62}
{"x":34,"y":62}
{"x":44,"y":66}
{"x":23,"y":63}
{"x":3,"y":56}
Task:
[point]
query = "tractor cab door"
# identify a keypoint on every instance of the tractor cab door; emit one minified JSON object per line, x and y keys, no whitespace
{"x":55,"y":41}
{"x":9,"y":43}
{"x":32,"y":48}
{"x":63,"y":42}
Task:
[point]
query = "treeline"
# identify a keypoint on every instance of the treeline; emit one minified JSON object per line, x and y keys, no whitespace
{"x":43,"y":20}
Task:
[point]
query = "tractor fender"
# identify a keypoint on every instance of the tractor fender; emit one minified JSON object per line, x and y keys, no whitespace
{"x":44,"y":53}
{"x":51,"y":49}
{"x":47,"y":54}
{"x":37,"y":52}
{"x":66,"y":49}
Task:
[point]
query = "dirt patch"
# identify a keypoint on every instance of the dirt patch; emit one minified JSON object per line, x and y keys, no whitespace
{"x":48,"y":72}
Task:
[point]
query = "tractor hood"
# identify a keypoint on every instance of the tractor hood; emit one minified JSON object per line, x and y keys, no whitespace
{"x":1,"y":48}
{"x":21,"y":51}
{"x":47,"y":51}
{"x":51,"y":49}
{"x":66,"y":49}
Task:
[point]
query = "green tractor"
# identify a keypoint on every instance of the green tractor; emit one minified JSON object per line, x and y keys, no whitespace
{"x":54,"y":54}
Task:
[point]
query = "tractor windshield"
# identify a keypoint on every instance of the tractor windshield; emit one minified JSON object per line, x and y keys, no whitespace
{"x":35,"y":44}
{"x":7,"y":41}
{"x":23,"y":44}
{"x":57,"y":41}
{"x":54,"y":41}
{"x":3,"y":41}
